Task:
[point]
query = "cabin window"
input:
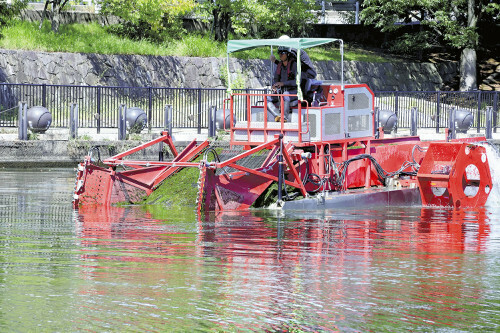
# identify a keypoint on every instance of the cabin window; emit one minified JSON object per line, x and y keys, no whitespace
{"x":358,"y":123}
{"x":357,"y":102}
{"x":332,"y":122}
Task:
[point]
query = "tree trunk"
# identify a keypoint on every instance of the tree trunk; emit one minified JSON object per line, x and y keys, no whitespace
{"x":215,"y":23}
{"x":468,"y":58}
{"x":468,"y":70}
{"x":224,"y":26}
{"x":220,"y":25}
{"x":44,"y":14}
{"x":56,"y":17}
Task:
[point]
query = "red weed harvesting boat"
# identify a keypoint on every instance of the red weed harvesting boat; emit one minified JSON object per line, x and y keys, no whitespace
{"x":328,"y":152}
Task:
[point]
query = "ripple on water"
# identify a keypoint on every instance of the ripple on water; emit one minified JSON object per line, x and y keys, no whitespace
{"x":135,"y":269}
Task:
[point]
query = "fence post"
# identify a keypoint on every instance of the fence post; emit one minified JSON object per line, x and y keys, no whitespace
{"x":377,"y":122}
{"x":199,"y":110}
{"x":168,"y":118}
{"x":414,"y":114}
{"x":122,"y":119}
{"x":495,"y":111}
{"x":44,"y":95}
{"x":396,"y":109}
{"x":479,"y":112}
{"x":98,"y":110}
{"x":247,"y":101}
{"x":212,"y":116}
{"x":489,"y":120}
{"x":438,"y":112}
{"x":150,"y":108}
{"x":452,"y":126}
{"x":167,"y":124}
{"x":73,"y":121}
{"x":22,"y":121}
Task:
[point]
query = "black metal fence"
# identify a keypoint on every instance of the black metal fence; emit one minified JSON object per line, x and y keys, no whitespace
{"x":434,"y":106}
{"x":98,"y":106}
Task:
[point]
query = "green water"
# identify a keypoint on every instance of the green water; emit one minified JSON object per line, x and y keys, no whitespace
{"x":130,"y":269}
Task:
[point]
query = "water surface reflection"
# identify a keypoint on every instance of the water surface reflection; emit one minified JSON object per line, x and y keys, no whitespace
{"x":137,"y":269}
{"x":328,"y":270}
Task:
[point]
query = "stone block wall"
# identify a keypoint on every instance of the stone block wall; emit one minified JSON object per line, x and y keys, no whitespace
{"x":17,"y":66}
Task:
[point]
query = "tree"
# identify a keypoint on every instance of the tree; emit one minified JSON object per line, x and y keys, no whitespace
{"x":149,"y":15}
{"x":57,"y":7}
{"x":285,"y":17}
{"x":268,"y":18}
{"x":447,"y":22}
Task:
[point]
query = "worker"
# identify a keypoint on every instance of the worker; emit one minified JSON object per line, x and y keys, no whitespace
{"x":284,"y":82}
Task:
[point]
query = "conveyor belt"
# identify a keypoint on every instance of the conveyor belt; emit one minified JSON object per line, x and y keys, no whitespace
{"x":225,"y":152}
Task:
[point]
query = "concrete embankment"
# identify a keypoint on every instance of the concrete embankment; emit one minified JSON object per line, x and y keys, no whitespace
{"x":61,"y":153}
{"x":55,"y":150}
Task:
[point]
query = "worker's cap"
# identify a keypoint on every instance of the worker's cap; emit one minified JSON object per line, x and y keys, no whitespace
{"x":284,"y":49}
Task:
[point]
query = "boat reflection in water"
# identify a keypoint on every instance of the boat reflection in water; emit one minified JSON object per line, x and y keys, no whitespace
{"x":323,"y":270}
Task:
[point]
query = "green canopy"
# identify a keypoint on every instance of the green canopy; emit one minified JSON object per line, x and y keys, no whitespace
{"x":295,"y":43}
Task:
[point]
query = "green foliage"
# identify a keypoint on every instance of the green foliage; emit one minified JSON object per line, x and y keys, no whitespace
{"x":237,"y":79}
{"x":9,"y":11}
{"x":259,"y":18}
{"x":134,"y":137}
{"x":84,"y":38}
{"x":283,"y":17}
{"x":85,"y":137}
{"x":442,"y":22}
{"x":151,"y":19}
{"x":154,"y":12}
{"x":79,"y":147}
{"x":92,"y":38}
{"x":197,"y":46}
{"x":138,"y":32}
{"x":411,"y":43}
{"x":33,"y":136}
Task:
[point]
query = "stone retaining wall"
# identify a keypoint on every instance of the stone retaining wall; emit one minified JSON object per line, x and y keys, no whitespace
{"x":17,"y":66}
{"x":63,"y":153}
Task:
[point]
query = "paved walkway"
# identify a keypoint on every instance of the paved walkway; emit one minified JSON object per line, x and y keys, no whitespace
{"x":187,"y":135}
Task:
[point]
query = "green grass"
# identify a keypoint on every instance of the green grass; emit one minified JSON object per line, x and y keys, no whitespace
{"x":79,"y":38}
{"x":93,"y":38}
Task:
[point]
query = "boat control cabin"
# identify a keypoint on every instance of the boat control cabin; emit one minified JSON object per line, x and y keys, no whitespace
{"x":338,"y":115}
